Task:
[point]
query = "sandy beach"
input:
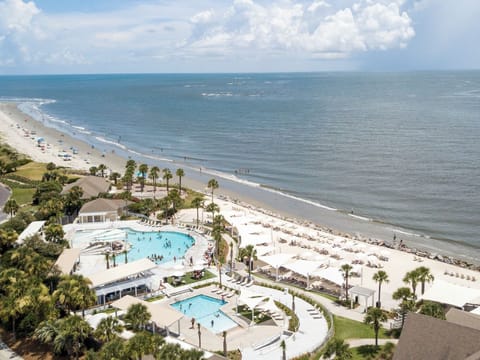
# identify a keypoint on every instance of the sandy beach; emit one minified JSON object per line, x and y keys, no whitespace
{"x":280,"y":234}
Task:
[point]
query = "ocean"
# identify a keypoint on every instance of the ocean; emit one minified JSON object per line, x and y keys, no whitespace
{"x":373,"y":153}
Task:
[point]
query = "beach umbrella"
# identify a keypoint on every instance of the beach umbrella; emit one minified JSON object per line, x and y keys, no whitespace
{"x":178,"y":273}
{"x":198,"y":268}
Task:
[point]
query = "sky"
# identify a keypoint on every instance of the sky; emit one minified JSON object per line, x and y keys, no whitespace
{"x":197,"y":36}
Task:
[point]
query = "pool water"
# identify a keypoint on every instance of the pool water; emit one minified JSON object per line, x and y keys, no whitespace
{"x":160,"y":247}
{"x":206,"y":309}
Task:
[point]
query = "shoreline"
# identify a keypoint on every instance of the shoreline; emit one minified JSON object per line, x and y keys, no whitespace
{"x":14,"y":122}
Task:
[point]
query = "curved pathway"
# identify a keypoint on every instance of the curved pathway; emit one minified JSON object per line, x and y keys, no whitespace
{"x":360,"y":342}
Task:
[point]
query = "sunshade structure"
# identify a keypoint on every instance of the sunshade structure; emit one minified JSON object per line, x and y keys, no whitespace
{"x":251,"y":299}
{"x":447,"y":293}
{"x":131,"y":275}
{"x":162,"y":316}
{"x":276,"y":261}
{"x":363,"y":292}
{"x":303,"y":267}
{"x":332,"y":274}
{"x":67,"y":260}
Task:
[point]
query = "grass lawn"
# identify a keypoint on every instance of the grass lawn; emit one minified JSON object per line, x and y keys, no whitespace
{"x":187,"y":279}
{"x":23,"y":196}
{"x":32,"y":170}
{"x":351,"y":329}
{"x":258,"y":315}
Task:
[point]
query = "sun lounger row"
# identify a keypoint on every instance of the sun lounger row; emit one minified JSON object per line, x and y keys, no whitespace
{"x":315,"y":313}
{"x":461,"y":276}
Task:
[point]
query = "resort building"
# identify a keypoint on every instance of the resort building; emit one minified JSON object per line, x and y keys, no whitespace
{"x":34,"y":228}
{"x":92,"y":186}
{"x":101,"y":210}
{"x":68,"y":261}
{"x":130,"y":278}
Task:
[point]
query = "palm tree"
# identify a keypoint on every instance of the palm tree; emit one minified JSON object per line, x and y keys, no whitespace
{"x":93,"y":170}
{"x":180,"y":173}
{"x":374,"y":318}
{"x":338,"y":347}
{"x":131,"y":164}
{"x":251,"y":253}
{"x":114,"y":176}
{"x":128,"y":178}
{"x":212,"y":208}
{"x":197,"y":202}
{"x":102,"y":168}
{"x":284,"y":350}
{"x":108,"y":329}
{"x":154,"y":171}
{"x":412,"y":278}
{"x":433,"y":309}
{"x":54,"y":233}
{"x":345,"y":269}
{"x":74,"y":293}
{"x":380,"y":277}
{"x":137,"y":316}
{"x":11,"y":207}
{"x":125,"y":252}
{"x":199,"y":336}
{"x":167,"y":175}
{"x":114,"y":349}
{"x":107,"y":259}
{"x":143,"y":168}
{"x":424,"y":275}
{"x":212,"y":184}
{"x":407,"y":301}
{"x":224,"y":334}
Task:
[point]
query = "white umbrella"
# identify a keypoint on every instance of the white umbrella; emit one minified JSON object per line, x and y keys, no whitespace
{"x":178,"y":273}
{"x":198,"y":268}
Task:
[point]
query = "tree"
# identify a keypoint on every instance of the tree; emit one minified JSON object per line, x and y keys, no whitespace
{"x":197,"y":202}
{"x":137,"y":317}
{"x":345,"y":269}
{"x":212,"y":208}
{"x":143,"y":168}
{"x":108,"y":329}
{"x":143,"y":343}
{"x":424,"y":275}
{"x":73,"y":200}
{"x":180,"y":173}
{"x":7,"y":239}
{"x":380,"y":277}
{"x":167,"y":175}
{"x":224,"y":334}
{"x":11,"y":207}
{"x":51,"y":210}
{"x":374,"y":318}
{"x":283,"y":345}
{"x":114,"y":176}
{"x":250,"y":253}
{"x":115,"y":349}
{"x":175,"y":199}
{"x":125,"y":252}
{"x":102,"y":168}
{"x":199,"y":336}
{"x":339,"y":348}
{"x":154,"y":172}
{"x":93,"y":170}
{"x":407,"y":301}
{"x":51,"y":166}
{"x":412,"y":278}
{"x":54,"y":233}
{"x":74,"y":293}
{"x":212,"y":185}
{"x":433,"y":309}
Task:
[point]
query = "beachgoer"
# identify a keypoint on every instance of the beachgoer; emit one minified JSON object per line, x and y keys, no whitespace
{"x":189,"y":305}
{"x":193,"y":323}
{"x":212,"y":322}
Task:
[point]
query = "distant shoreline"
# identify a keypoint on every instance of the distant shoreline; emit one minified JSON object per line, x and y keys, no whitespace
{"x":196,"y":179}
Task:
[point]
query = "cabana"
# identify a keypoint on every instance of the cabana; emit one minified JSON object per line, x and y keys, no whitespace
{"x":276,"y":261}
{"x":162,"y":316}
{"x":68,"y":260}
{"x":126,"y":276}
{"x":332,"y":274}
{"x":303,"y":267}
{"x":451,"y":294}
{"x":363,"y":292}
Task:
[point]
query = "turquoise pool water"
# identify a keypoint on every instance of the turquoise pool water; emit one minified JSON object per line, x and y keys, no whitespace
{"x":159,"y":247}
{"x":206,"y":311}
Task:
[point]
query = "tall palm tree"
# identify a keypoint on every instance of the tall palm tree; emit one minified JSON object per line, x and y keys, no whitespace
{"x":374,"y":318}
{"x":251,"y":254}
{"x":339,"y":348}
{"x":131,"y":164}
{"x":108,"y":329}
{"x":143,"y":168}
{"x":128,"y":177}
{"x":11,"y":207}
{"x":283,"y":345}
{"x":412,"y":278}
{"x":125,"y":253}
{"x":114,"y":349}
{"x":345,"y":269}
{"x":137,"y":316}
{"x":54,"y":233}
{"x":199,"y":336}
{"x":93,"y":170}
{"x":424,"y":275}
{"x":167,"y":175}
{"x":102,"y":168}
{"x":180,"y":173}
{"x":212,"y":208}
{"x":407,"y":301}
{"x":107,"y":259}
{"x":73,"y":333}
{"x":114,"y":176}
{"x":380,"y":277}
{"x":154,"y":172}
{"x":197,"y":202}
{"x":74,"y":293}
{"x":433,"y":309}
{"x":212,"y":185}
{"x":224,"y":334}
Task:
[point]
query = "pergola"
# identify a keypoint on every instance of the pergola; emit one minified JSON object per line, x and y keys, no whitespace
{"x":276,"y":261}
{"x":363,"y":292}
{"x":251,"y":299}
{"x":303,"y":267}
{"x":162,"y":316}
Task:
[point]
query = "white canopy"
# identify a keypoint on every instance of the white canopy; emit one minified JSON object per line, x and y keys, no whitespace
{"x":452,"y":294}
{"x":251,"y":299}
{"x":276,"y":260}
{"x":332,"y":274}
{"x":121,"y":272}
{"x":302,"y":267}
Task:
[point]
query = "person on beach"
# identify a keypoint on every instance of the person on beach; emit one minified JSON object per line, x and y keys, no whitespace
{"x":193,"y":323}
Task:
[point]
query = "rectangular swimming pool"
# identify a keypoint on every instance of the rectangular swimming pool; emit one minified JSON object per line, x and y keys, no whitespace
{"x":206,"y":311}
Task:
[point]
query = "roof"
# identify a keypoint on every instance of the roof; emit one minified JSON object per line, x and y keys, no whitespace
{"x":32,"y":228}
{"x":67,"y":259}
{"x":276,"y":260}
{"x":161,"y":315}
{"x":452,"y":294}
{"x":302,"y":267}
{"x":425,"y":337}
{"x":102,"y":205}
{"x":362,"y":291}
{"x":92,"y":186}
{"x":120,"y":272}
{"x":463,"y":318}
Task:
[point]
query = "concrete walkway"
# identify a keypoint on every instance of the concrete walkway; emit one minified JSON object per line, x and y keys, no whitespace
{"x":360,"y":342}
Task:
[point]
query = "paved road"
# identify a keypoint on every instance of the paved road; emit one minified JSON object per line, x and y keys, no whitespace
{"x":4,"y":195}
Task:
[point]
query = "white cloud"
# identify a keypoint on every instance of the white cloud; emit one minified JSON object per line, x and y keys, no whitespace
{"x":170,"y":31}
